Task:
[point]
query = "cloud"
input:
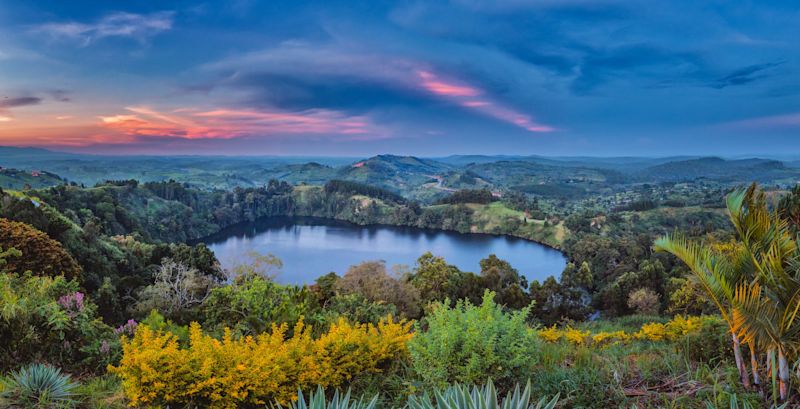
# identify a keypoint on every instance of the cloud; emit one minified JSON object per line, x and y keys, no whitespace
{"x":60,"y":95}
{"x":120,"y":24}
{"x":637,"y":63}
{"x":473,"y":98}
{"x":784,"y":121}
{"x":5,"y":118}
{"x":299,"y":75}
{"x":224,"y":123}
{"x":745,"y":75}
{"x":7,"y":102}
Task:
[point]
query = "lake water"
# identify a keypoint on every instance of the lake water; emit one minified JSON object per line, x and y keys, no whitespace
{"x":311,"y":247}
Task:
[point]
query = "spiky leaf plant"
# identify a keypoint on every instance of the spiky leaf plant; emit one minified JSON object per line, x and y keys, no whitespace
{"x":317,"y":400}
{"x":38,"y":386}
{"x":485,"y":397}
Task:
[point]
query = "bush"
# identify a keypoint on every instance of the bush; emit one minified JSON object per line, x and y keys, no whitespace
{"x":710,"y":343}
{"x":371,"y":280}
{"x":252,"y":304}
{"x":38,"y":386}
{"x":462,"y":397}
{"x":253,"y":371}
{"x":355,"y":308}
{"x":48,"y":319}
{"x":644,"y":301}
{"x":469,"y":343}
{"x":41,"y":254}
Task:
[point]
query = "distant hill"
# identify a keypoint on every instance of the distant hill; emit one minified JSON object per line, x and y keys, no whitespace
{"x":16,"y":179}
{"x":717,"y":169}
{"x":400,"y":174}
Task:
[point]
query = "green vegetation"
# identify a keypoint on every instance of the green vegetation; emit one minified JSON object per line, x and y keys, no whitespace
{"x":38,"y":386}
{"x":99,"y":282}
{"x":462,"y":397}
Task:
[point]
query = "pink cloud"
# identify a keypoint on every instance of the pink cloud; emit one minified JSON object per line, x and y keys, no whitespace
{"x":473,"y":98}
{"x":193,"y":123}
{"x":768,"y":122}
{"x":439,"y":87}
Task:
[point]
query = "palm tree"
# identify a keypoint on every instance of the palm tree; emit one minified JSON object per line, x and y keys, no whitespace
{"x":756,"y":286}
{"x":718,"y":278}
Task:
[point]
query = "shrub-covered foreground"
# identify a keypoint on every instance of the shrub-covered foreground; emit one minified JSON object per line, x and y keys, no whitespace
{"x":228,"y":373}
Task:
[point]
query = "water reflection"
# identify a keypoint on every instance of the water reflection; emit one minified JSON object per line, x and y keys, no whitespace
{"x":310,"y":247}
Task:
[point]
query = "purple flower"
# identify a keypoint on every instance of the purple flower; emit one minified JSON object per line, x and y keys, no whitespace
{"x":105,"y":348}
{"x":72,"y":303}
{"x":129,"y":329}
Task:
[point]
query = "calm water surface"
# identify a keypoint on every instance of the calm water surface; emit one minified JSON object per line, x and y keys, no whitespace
{"x":311,"y":247}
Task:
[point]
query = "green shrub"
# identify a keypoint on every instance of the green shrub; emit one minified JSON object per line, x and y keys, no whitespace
{"x":711,"y":343}
{"x":462,"y":397}
{"x":38,"y":386}
{"x":252,"y":304}
{"x":44,"y":319}
{"x":356,"y":308}
{"x":468,"y":343}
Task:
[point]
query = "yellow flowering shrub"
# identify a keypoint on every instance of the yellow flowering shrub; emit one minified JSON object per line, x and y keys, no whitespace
{"x":575,"y":336}
{"x":673,"y":330}
{"x":680,"y":326}
{"x":228,"y":373}
{"x":653,"y":331}
{"x":604,"y":338}
{"x":551,"y":334}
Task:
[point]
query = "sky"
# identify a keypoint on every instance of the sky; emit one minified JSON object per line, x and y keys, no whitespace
{"x":427,"y":78}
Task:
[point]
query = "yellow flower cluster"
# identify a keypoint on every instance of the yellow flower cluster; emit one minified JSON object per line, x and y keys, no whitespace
{"x":671,"y":331}
{"x":654,"y":331}
{"x":156,"y":371}
{"x":572,"y":335}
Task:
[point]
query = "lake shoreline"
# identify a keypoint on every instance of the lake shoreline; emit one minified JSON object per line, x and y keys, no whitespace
{"x":484,"y":233}
{"x":301,"y":241}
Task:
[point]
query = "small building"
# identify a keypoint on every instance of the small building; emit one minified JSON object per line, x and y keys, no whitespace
{"x":35,"y":173}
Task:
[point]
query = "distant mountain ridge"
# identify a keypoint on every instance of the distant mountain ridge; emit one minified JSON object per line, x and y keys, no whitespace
{"x":419,"y":178}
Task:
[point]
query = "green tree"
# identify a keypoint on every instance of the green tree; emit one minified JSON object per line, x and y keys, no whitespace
{"x":43,"y":255}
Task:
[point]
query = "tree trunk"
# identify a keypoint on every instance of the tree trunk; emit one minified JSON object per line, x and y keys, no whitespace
{"x":783,"y":374}
{"x":754,"y":364}
{"x":737,"y":353}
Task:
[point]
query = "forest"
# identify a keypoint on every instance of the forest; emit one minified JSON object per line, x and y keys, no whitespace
{"x":675,"y":295}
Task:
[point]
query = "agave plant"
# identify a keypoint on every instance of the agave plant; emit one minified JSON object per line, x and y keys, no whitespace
{"x":317,"y":400}
{"x":462,"y":397}
{"x":38,"y":386}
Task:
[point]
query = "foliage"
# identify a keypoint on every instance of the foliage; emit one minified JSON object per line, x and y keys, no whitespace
{"x":43,"y":255}
{"x":252,"y":371}
{"x":674,"y":330}
{"x":47,"y":319}
{"x":178,"y":291}
{"x":371,"y":280}
{"x":467,"y":343}
{"x":505,"y":281}
{"x":644,"y":301}
{"x":355,"y":308}
{"x":355,"y":188}
{"x":754,"y":283}
{"x":482,"y":196}
{"x":38,"y":386}
{"x":462,"y":397}
{"x":252,"y":304}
